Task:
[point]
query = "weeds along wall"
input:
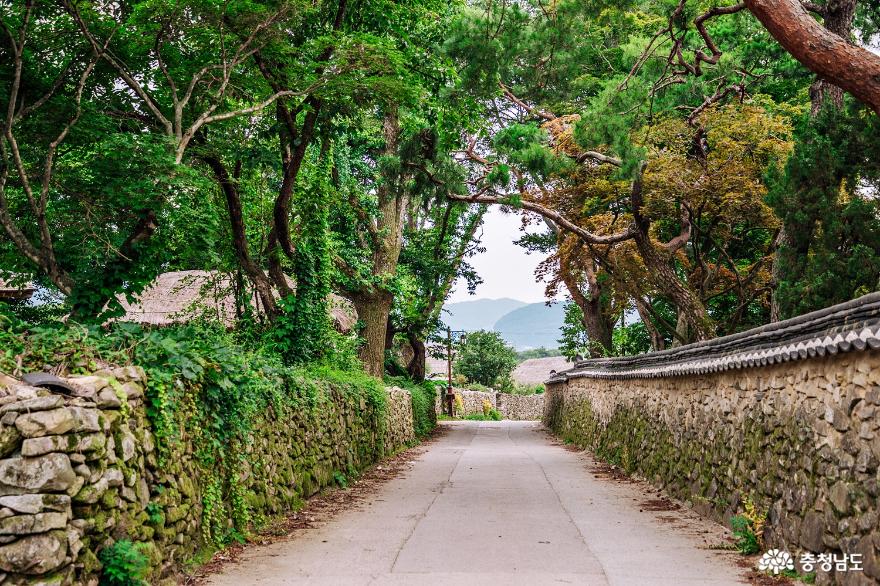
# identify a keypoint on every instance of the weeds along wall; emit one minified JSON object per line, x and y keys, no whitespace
{"x":785,"y":420}
{"x":82,"y":472}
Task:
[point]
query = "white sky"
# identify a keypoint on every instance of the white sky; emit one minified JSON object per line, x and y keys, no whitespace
{"x":507,"y":270}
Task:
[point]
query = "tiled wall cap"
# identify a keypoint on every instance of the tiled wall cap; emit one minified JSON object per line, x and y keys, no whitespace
{"x":847,"y":327}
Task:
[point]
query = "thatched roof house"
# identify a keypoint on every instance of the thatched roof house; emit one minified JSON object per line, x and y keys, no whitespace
{"x":536,"y":370}
{"x":9,"y":292}
{"x":180,"y":296}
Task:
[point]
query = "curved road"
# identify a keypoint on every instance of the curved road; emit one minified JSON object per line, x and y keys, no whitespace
{"x":498,"y":503}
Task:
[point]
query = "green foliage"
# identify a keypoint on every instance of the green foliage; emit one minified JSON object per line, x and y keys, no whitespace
{"x":199,"y":378}
{"x":154,"y":512}
{"x":515,"y":388}
{"x":573,"y":340}
{"x":491,"y":415}
{"x":423,"y":400}
{"x":831,"y":249}
{"x":746,"y":539}
{"x":627,"y":340}
{"x":302,"y":330}
{"x":484,"y":357}
{"x":748,"y":528}
{"x":124,"y":564}
{"x":630,"y":340}
{"x":340,"y":479}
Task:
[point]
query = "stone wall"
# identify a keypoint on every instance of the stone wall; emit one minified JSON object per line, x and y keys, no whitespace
{"x":795,"y":428}
{"x":517,"y":407}
{"x":80,"y":472}
{"x":520,"y":407}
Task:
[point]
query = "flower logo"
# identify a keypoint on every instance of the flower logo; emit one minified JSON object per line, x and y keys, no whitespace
{"x":776,"y":561}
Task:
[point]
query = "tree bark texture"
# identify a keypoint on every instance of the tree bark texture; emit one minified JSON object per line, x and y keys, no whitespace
{"x":820,"y":50}
{"x":416,"y":366}
{"x":373,"y":310}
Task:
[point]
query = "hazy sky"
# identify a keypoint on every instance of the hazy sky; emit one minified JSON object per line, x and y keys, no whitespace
{"x":506,"y":269}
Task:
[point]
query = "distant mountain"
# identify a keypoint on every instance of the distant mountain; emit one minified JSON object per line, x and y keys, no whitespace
{"x":480,"y":314}
{"x":532,"y":326}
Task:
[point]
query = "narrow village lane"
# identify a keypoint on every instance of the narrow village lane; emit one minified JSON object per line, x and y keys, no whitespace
{"x":499,"y":503}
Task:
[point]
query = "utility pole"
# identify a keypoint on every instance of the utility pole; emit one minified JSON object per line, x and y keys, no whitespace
{"x":450,"y":394}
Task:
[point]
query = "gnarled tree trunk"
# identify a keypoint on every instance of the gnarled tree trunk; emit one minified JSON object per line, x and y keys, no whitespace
{"x":820,"y":50}
{"x":416,"y":366}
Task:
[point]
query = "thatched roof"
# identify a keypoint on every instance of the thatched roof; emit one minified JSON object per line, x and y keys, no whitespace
{"x":9,"y":292}
{"x":180,"y":296}
{"x":536,"y":370}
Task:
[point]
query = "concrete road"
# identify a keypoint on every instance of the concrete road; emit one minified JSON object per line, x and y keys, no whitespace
{"x":498,"y":503}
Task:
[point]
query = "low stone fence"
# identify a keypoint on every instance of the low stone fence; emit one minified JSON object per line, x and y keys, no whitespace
{"x":516,"y":407}
{"x":80,"y":472}
{"x":786,"y":417}
{"x":520,"y":407}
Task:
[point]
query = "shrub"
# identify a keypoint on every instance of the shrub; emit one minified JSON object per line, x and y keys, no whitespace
{"x":487,"y":407}
{"x":125,"y":564}
{"x":748,"y":528}
{"x":491,"y":415}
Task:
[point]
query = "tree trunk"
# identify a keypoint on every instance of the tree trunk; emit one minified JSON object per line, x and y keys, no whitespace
{"x":690,"y":309}
{"x":255,"y":274}
{"x":373,"y":310}
{"x":595,"y":322}
{"x":823,"y":52}
{"x":838,"y":19}
{"x":661,"y":268}
{"x":657,"y":342}
{"x":416,"y":366}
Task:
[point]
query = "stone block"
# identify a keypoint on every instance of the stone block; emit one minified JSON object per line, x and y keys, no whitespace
{"x":67,"y":443}
{"x":36,"y":503}
{"x":49,"y":473}
{"x":10,"y":438}
{"x":40,"y":423}
{"x":92,"y":493}
{"x":86,"y":419}
{"x":37,"y":523}
{"x":114,"y":477}
{"x":34,"y":554}
{"x":34,"y":404}
{"x":107,"y":398}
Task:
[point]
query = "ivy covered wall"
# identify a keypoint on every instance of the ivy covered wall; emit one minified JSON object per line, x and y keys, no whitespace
{"x":81,"y":474}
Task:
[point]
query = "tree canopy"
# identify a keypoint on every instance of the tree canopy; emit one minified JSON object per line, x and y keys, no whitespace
{"x":698,"y":168}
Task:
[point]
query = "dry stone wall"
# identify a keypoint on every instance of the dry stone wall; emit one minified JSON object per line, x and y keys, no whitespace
{"x":80,"y":472}
{"x":800,"y":438}
{"x":521,"y":407}
{"x":516,"y":407}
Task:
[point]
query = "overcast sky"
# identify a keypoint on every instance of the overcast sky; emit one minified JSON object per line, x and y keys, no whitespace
{"x":506,"y":269}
